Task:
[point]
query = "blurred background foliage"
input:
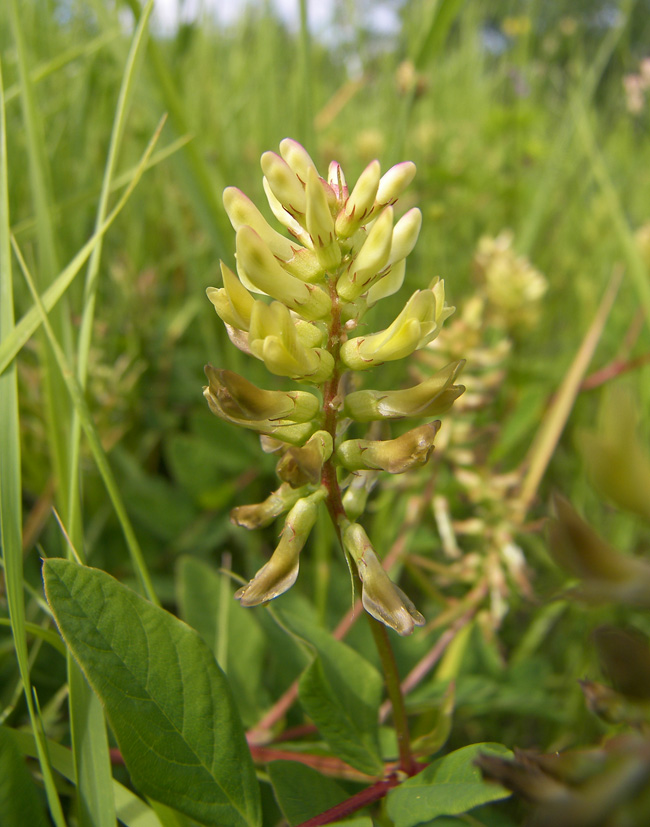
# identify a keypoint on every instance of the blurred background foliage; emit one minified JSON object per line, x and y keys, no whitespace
{"x":527,"y":117}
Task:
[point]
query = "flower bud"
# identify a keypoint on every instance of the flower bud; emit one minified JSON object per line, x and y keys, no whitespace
{"x":388,"y":284}
{"x":273,"y":339}
{"x":291,"y":434}
{"x":336,"y":180}
{"x":232,"y":302}
{"x":297,"y":158}
{"x":262,"y":269}
{"x":241,"y":212}
{"x":299,"y":466}
{"x":320,"y":223}
{"x":284,"y":184}
{"x":430,"y":398}
{"x":304,"y":265}
{"x":310,"y":334}
{"x":357,"y":493}
{"x":411,"y":450}
{"x":360,"y":202}
{"x":241,"y":399}
{"x":371,"y":259}
{"x":417,"y":325}
{"x":285,"y":430}
{"x":287,"y":220}
{"x":381,"y":598}
{"x":262,"y":514}
{"x":394,"y":182}
{"x":405,"y":235}
{"x":281,"y":571}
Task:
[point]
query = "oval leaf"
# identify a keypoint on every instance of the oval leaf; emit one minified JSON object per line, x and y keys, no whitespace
{"x":167,"y":701}
{"x":341,"y":692}
{"x":448,"y":786}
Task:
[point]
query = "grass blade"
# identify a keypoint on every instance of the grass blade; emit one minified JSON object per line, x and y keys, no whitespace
{"x":634,"y":260}
{"x":31,"y":321}
{"x":131,"y":810}
{"x":87,"y":722}
{"x":10,"y":474}
{"x":553,"y":423}
{"x":79,"y":401}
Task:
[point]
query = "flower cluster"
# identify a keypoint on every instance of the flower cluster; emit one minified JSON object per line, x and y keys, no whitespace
{"x":295,"y":303}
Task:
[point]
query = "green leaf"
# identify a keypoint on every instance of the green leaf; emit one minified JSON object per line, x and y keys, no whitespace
{"x":341,"y":693}
{"x":19,"y":800}
{"x":351,"y":738}
{"x":302,"y":792}
{"x":233,"y":634}
{"x":435,"y":725}
{"x":449,"y":786}
{"x":168,"y":702}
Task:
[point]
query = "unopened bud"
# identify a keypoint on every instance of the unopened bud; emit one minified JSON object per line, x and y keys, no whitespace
{"x":285,"y":184}
{"x":357,"y":493}
{"x":381,"y":598}
{"x":281,"y":571}
{"x":320,"y":223}
{"x":411,"y":450}
{"x":393,"y":182}
{"x":232,"y":302}
{"x":303,"y":465}
{"x":311,"y":334}
{"x":304,"y":265}
{"x":241,"y":212}
{"x":274,"y":340}
{"x":360,"y":202}
{"x":242,"y":399}
{"x":266,"y":273}
{"x":430,"y":398}
{"x":287,"y":220}
{"x":336,"y":180}
{"x":371,"y":259}
{"x":405,"y":235}
{"x":297,"y":158}
{"x":389,"y":283}
{"x":262,"y":514}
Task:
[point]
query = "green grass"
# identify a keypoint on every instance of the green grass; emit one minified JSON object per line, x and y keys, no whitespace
{"x":111,"y":228}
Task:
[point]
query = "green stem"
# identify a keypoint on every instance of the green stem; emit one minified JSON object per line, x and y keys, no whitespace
{"x":394,"y":689}
{"x":338,"y":516}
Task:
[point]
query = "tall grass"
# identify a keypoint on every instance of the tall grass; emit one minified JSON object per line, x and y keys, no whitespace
{"x":104,"y":329}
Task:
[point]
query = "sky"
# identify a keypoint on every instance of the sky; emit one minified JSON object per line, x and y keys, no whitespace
{"x":166,"y":13}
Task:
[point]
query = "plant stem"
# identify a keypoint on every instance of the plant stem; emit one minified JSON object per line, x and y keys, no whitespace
{"x":394,"y":689}
{"x":338,"y":516}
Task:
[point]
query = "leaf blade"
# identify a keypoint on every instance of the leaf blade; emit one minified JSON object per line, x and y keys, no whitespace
{"x":168,"y":702}
{"x":341,"y":691}
{"x":449,"y":786}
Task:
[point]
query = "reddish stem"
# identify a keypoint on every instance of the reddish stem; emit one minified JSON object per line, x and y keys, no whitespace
{"x":356,"y":802}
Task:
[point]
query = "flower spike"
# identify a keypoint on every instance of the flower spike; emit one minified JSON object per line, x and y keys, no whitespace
{"x":293,"y":304}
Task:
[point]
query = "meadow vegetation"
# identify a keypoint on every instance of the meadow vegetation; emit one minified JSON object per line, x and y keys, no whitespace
{"x":525,"y":539}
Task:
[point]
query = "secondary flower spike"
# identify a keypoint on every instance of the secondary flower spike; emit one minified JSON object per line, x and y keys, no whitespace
{"x":297,"y":303}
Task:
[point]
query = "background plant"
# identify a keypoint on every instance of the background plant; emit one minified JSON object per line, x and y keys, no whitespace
{"x":516,"y":120}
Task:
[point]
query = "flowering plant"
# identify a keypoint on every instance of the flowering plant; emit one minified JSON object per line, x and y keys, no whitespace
{"x":345,"y":253}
